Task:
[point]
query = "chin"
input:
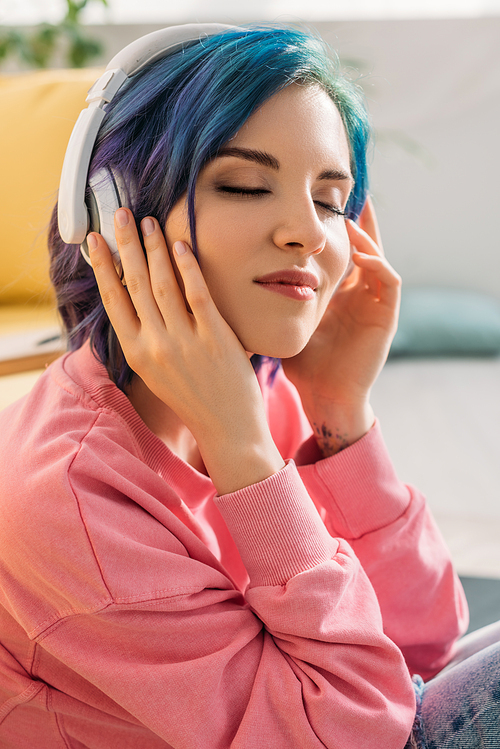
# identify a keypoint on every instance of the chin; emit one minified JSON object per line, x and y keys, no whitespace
{"x":276,"y":348}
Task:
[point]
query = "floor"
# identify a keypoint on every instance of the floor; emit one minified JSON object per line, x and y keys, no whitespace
{"x":440,"y":422}
{"x":483,"y":597}
{"x":474,"y":543}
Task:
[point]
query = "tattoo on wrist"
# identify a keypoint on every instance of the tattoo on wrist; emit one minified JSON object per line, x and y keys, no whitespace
{"x":330,"y":442}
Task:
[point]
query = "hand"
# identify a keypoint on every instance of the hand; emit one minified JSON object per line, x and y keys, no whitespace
{"x":336,"y":370}
{"x":190,"y":359}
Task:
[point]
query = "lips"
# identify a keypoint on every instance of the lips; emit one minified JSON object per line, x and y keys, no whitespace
{"x":292,"y":277}
{"x":291,"y":282}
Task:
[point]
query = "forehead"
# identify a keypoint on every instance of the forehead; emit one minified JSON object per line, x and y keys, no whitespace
{"x":299,"y":122}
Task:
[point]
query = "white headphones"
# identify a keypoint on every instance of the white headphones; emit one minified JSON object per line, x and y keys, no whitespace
{"x":76,"y":218}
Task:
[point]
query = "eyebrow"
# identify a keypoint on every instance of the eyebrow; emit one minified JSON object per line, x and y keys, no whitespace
{"x":265,"y":159}
{"x":260,"y":157}
{"x":337,"y":175}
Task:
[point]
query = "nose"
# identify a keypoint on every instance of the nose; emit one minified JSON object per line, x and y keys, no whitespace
{"x":299,"y":227}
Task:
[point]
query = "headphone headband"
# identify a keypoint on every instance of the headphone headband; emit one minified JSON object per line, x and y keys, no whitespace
{"x":73,"y":216}
{"x":161,"y":43}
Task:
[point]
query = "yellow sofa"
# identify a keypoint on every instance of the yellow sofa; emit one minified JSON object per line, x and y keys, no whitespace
{"x":37,"y":113}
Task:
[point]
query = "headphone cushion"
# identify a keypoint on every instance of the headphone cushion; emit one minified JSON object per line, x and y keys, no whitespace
{"x":106,"y":193}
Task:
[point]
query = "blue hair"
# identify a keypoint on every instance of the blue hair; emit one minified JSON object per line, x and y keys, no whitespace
{"x":173,"y":116}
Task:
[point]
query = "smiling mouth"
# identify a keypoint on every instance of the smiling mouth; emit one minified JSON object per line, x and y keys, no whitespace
{"x":293,"y":283}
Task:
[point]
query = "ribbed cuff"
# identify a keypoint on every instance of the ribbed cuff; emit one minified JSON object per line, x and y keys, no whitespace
{"x":276,"y":528}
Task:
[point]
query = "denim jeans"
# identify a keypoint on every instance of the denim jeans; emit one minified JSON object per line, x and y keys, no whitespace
{"x":460,"y":707}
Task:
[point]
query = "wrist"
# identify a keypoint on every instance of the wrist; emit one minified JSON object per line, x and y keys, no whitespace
{"x":339,"y":425}
{"x":235,"y":464}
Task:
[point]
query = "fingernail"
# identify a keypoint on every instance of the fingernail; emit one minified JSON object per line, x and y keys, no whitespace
{"x":147,"y":226}
{"x":121,"y":217}
{"x":180,"y":248}
{"x":91,"y":241}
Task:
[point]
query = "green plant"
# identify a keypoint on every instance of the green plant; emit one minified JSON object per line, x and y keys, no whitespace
{"x":36,"y":48}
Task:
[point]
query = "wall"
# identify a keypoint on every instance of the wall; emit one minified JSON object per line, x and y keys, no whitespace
{"x":437,"y":84}
{"x":433,"y":90}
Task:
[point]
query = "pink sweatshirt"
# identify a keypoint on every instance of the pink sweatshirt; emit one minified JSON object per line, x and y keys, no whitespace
{"x":139,"y":610}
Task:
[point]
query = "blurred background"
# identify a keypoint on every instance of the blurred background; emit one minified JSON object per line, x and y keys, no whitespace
{"x":430,"y":70}
{"x":431,"y":73}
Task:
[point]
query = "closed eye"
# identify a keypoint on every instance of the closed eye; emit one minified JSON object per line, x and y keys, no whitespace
{"x":256,"y":192}
{"x":330,"y":208}
{"x":245,"y":191}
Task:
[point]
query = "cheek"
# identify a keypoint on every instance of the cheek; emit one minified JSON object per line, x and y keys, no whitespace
{"x":177,"y":225}
{"x":223,"y":227}
{"x":338,"y":260}
{"x":226,"y":246}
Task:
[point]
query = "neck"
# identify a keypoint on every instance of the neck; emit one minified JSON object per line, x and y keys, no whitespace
{"x":165,"y":424}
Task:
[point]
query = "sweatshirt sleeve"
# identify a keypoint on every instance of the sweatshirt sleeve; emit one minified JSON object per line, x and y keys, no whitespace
{"x":398,"y":544}
{"x":302,"y":661}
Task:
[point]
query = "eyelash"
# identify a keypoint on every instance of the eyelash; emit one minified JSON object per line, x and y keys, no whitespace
{"x":258,"y":192}
{"x":331,"y":208}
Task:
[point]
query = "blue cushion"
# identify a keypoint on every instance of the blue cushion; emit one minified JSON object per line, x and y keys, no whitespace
{"x":447,"y":322}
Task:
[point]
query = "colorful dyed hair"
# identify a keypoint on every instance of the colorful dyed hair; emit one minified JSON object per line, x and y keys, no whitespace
{"x":169,"y":120}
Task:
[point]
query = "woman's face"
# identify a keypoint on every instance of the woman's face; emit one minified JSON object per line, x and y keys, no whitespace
{"x":271,"y":236}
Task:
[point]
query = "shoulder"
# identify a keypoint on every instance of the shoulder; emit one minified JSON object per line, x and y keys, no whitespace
{"x":86,"y":520}
{"x":41,"y":434}
{"x":44,"y":439}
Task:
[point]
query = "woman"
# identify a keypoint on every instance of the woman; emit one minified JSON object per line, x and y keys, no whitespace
{"x":198,"y":552}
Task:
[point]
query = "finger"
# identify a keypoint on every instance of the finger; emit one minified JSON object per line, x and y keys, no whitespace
{"x":135,"y":267}
{"x":115,"y":298}
{"x":380,"y":278}
{"x":195,"y":288}
{"x":361,"y":240}
{"x":368,"y":222}
{"x":365,"y":246}
{"x":164,"y":282}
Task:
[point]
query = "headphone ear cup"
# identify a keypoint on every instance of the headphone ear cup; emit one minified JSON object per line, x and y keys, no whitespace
{"x":106,"y":193}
